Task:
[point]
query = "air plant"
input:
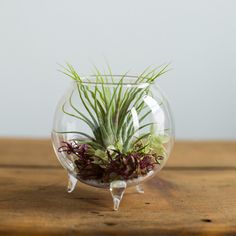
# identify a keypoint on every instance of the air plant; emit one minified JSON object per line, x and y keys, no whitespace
{"x":117,"y":149}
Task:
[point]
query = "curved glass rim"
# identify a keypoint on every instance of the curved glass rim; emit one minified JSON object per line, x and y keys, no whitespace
{"x":114,"y":80}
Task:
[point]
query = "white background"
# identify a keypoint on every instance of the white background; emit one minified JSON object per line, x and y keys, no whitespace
{"x":198,"y":37}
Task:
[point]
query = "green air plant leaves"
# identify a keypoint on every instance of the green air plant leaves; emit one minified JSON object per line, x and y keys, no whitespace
{"x":109,"y":116}
{"x":108,"y":109}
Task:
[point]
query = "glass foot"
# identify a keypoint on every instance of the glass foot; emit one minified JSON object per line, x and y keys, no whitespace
{"x":72,"y":181}
{"x":139,"y":189}
{"x":117,"y":189}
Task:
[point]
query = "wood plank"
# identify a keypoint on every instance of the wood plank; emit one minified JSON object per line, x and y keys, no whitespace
{"x":185,"y":154}
{"x":34,"y":201}
{"x":194,"y":195}
{"x":30,"y":152}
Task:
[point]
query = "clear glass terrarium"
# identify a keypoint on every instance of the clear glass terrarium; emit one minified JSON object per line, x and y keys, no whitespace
{"x":113,"y":131}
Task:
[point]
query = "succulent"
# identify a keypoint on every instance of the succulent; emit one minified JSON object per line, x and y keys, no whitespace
{"x":116,"y":150}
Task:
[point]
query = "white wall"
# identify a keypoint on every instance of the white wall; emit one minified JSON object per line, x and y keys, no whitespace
{"x":198,"y":37}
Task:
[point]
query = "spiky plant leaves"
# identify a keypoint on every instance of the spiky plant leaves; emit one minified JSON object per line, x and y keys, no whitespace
{"x":109,"y":115}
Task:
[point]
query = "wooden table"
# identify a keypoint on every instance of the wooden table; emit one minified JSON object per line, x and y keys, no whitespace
{"x":195,"y":194}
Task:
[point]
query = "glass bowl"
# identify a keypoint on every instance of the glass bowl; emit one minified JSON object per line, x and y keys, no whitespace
{"x":113,"y":132}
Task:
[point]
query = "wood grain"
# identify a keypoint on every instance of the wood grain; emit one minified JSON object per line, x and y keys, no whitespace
{"x":20,"y":152}
{"x":194,"y":195}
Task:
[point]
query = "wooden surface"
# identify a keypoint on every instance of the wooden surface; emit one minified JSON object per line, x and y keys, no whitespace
{"x":195,"y":194}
